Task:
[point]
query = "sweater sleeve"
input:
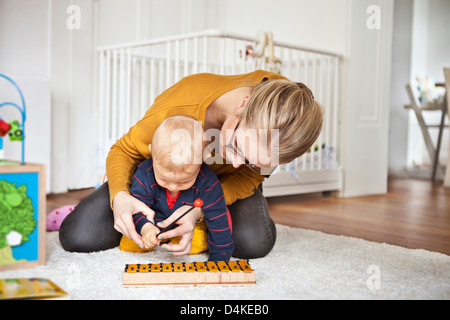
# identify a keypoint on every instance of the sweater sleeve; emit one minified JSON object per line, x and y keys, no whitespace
{"x":141,"y":189}
{"x":139,"y":220}
{"x":128,"y":152}
{"x":220,"y":242}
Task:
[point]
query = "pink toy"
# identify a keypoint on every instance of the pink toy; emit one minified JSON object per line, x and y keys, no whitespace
{"x":56,"y":217}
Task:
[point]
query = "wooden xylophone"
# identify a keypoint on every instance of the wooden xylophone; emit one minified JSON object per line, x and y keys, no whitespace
{"x":189,"y":274}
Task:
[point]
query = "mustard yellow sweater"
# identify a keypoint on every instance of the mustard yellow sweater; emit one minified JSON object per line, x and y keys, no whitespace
{"x":190,"y":96}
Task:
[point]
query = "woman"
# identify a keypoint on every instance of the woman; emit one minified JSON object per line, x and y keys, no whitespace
{"x":259,"y":100}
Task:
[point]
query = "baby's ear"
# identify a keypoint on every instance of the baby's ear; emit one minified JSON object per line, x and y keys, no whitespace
{"x":150,"y":147}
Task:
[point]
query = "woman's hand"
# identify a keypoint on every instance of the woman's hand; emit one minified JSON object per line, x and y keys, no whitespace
{"x":125,"y":205}
{"x":185,"y":230}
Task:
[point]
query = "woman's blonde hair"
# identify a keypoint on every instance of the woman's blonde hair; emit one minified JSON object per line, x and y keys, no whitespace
{"x":290,"y":108}
{"x":177,"y":144}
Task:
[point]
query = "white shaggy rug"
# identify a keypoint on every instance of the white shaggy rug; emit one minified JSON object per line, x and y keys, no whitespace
{"x":304,"y":264}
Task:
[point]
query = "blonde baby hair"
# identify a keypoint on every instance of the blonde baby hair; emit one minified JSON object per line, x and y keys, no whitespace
{"x":177,"y":144}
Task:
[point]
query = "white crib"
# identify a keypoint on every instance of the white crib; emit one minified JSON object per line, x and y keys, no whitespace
{"x":132,"y":75}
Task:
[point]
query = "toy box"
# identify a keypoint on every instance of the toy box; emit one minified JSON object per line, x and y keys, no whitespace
{"x":22,"y":215}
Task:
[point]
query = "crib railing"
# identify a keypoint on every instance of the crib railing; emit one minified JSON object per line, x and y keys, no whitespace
{"x":132,"y":75}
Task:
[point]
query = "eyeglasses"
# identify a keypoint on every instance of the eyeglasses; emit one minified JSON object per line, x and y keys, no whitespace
{"x":232,"y":146}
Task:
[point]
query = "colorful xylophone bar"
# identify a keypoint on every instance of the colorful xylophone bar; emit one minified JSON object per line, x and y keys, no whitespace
{"x":189,"y":274}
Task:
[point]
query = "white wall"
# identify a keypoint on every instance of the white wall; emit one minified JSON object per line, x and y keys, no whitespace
{"x":420,"y":48}
{"x":436,"y":24}
{"x":401,"y":74}
{"x":74,"y":75}
{"x":438,"y":44}
{"x":73,"y":84}
{"x":74,"y":72}
{"x":24,"y":36}
{"x":316,"y":24}
{"x":25,"y":57}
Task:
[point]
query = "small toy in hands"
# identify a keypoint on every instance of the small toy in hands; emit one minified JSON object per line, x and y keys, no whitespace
{"x":151,"y":232}
{"x":198,"y":203}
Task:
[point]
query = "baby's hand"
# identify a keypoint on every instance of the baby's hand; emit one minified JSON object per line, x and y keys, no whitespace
{"x":149,"y":232}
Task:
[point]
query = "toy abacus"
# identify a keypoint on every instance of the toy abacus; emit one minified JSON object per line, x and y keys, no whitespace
{"x":14,"y":129}
{"x":189,"y":274}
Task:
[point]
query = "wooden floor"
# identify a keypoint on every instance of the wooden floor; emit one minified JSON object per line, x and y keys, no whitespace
{"x":413,"y":214}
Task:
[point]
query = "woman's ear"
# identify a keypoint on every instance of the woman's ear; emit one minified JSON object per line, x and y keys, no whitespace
{"x":240,"y":107}
{"x":207,"y":153}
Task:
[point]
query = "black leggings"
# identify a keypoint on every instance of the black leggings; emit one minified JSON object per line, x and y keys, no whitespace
{"x":90,"y":226}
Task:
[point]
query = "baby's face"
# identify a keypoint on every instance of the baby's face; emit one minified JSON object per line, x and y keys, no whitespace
{"x":175,"y":182}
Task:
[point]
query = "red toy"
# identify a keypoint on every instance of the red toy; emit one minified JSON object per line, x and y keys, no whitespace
{"x":198,"y":203}
{"x":4,"y":128}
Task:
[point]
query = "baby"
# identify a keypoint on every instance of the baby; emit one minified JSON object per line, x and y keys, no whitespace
{"x":176,"y":176}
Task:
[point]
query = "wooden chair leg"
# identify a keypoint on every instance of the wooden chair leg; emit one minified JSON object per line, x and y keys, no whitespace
{"x":439,"y":142}
{"x":447,"y":86}
{"x":423,"y":127}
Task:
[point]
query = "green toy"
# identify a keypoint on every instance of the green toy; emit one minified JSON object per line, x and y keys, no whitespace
{"x":15,"y":133}
{"x":17,"y":219}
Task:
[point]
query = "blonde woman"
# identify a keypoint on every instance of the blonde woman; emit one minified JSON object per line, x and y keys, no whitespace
{"x":259,"y":101}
